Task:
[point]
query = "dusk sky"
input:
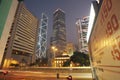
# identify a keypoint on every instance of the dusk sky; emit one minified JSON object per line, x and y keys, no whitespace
{"x":73,"y":9}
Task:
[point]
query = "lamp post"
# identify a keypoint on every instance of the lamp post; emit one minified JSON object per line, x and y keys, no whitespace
{"x":54,"y":50}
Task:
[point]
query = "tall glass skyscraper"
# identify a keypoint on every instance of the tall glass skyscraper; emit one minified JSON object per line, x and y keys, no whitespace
{"x":82,"y":27}
{"x":59,"y":31}
{"x":42,"y":37}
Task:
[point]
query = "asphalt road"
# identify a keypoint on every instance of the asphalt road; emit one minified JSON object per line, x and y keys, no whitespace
{"x":31,"y":75}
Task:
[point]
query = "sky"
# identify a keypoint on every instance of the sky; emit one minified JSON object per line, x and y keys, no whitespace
{"x":73,"y":9}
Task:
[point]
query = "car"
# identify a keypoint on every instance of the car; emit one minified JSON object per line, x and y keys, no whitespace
{"x":69,"y":77}
{"x":3,"y":72}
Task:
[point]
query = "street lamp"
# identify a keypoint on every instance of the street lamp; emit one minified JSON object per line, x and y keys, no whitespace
{"x":55,"y":62}
{"x":54,"y":50}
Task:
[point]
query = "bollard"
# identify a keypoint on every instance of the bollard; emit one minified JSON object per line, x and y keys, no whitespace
{"x":57,"y":75}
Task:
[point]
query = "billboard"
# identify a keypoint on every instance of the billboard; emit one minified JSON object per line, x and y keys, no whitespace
{"x":104,"y":42}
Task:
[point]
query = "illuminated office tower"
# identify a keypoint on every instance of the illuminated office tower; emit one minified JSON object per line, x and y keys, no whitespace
{"x":70,"y":48}
{"x":79,"y":34}
{"x":82,"y":27}
{"x":59,"y":31}
{"x":42,"y":37}
{"x":7,"y":12}
{"x":21,"y":43}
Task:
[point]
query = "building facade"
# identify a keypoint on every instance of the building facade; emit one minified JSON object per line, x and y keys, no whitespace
{"x":21,"y":43}
{"x":7,"y":12}
{"x":59,"y":31}
{"x":79,"y":34}
{"x":82,"y":27}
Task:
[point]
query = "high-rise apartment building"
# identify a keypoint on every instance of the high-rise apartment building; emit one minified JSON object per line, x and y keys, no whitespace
{"x":59,"y":31}
{"x":7,"y":12}
{"x":21,"y":42}
{"x":82,"y":27}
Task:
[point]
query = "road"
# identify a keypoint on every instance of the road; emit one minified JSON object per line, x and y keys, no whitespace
{"x":32,"y":75}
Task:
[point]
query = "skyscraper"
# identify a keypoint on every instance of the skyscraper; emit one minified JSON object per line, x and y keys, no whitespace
{"x":42,"y":38}
{"x":82,"y":27}
{"x":79,"y":34}
{"x":59,"y":31}
{"x":21,"y":42}
{"x":7,"y":12}
{"x":70,"y":48}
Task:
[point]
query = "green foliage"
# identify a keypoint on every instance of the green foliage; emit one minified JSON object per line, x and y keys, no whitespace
{"x":78,"y":58}
{"x":20,"y":0}
{"x":66,"y":64}
{"x":81,"y":58}
{"x":41,"y":62}
{"x":15,"y":65}
{"x":32,"y":64}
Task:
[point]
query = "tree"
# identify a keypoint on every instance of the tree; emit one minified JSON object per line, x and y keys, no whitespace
{"x":66,"y":64}
{"x":80,"y":58}
{"x":41,"y":61}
